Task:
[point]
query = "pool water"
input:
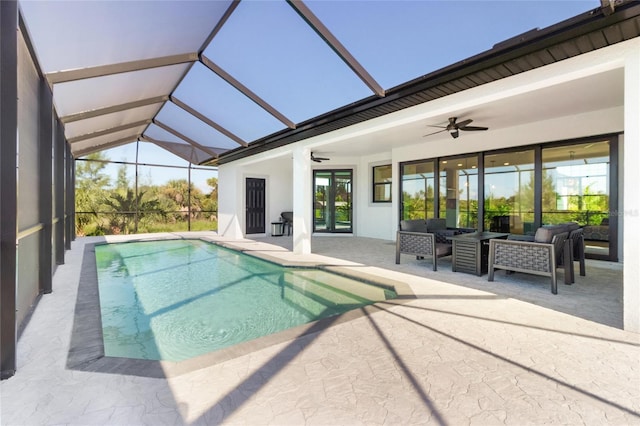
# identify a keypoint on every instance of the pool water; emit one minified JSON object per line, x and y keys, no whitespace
{"x":177,"y":299}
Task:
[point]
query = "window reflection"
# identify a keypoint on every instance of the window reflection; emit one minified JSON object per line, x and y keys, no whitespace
{"x":509,"y":189}
{"x":459,"y":192}
{"x":575,"y":188}
{"x":418,"y":190}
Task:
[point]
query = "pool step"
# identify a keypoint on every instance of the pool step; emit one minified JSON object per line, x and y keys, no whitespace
{"x":310,"y":291}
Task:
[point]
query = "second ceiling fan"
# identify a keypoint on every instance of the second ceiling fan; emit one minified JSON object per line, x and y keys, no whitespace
{"x":454,"y":127}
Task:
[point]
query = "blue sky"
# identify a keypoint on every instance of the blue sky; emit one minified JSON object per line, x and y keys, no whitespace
{"x":271,"y":50}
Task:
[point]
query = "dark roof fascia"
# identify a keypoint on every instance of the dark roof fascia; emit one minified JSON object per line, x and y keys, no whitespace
{"x":527,"y":43}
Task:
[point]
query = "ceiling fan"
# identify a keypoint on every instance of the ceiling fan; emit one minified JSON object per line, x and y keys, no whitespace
{"x":453,"y":127}
{"x":318,"y":159}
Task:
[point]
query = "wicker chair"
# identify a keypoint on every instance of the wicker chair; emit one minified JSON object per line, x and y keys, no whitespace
{"x":424,"y":238}
{"x":287,"y":219}
{"x":576,"y":239}
{"x":422,"y":245}
{"x":532,"y":257}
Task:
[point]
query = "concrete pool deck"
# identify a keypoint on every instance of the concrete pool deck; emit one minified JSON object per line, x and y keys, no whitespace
{"x":465,"y":351}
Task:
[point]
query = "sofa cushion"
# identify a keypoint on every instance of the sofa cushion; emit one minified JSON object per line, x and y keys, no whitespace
{"x":443,"y":249}
{"x":545,"y":234}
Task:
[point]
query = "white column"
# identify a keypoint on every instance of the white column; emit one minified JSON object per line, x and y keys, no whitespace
{"x":230,"y":201}
{"x":302,"y":200}
{"x":631,"y":218}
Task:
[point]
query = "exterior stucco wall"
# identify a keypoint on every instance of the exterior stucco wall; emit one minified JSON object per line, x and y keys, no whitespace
{"x":631,"y":211}
{"x":373,"y":220}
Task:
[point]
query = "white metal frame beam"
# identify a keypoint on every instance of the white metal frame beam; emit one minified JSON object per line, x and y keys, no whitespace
{"x":185,"y":138}
{"x":246,"y":91}
{"x":114,"y":108}
{"x":122,"y":67}
{"x":208,"y":121}
{"x":109,"y":131}
{"x":344,"y":54}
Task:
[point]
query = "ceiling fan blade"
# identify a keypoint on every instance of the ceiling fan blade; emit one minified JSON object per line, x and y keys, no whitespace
{"x":472,"y":128}
{"x":318,"y":159}
{"x":463,"y":123}
{"x":439,"y":131}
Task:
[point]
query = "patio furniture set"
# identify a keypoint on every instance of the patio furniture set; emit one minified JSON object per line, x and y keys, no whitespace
{"x":552,"y":247}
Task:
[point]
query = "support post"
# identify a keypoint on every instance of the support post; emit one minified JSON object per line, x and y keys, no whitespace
{"x":8,"y":184}
{"x":46,"y":181}
{"x":302,"y":200}
{"x":58,"y":184}
{"x":69,"y":199}
{"x":631,"y":217}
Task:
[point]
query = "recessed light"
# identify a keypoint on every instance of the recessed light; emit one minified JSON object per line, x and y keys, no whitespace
{"x":473,"y":167}
{"x":506,"y":164}
{"x":459,"y":164}
{"x":444,"y":162}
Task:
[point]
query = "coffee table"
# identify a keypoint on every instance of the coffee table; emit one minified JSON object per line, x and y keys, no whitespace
{"x":471,"y":251}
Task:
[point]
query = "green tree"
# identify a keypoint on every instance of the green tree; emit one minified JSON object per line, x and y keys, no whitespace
{"x":90,"y":191}
{"x":122,"y":181}
{"x":210,"y":201}
{"x":127,"y":209}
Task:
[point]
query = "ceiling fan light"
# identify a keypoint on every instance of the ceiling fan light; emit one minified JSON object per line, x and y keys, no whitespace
{"x":454,"y":133}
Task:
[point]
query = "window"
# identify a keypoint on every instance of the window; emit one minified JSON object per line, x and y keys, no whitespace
{"x":417,"y":191}
{"x":459,"y":192}
{"x":382,"y":184}
{"x":576,"y":188}
{"x":509,"y":192}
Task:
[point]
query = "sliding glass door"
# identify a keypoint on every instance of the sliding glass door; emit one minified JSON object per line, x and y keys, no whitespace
{"x":459,"y":192}
{"x":519,"y":189}
{"x":576,"y":185}
{"x":509,"y":192}
{"x":332,"y":204}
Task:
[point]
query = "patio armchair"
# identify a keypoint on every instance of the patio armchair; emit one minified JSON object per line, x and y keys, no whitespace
{"x":540,"y":257}
{"x":576,"y":240}
{"x":424,"y":239}
{"x":287,"y":220}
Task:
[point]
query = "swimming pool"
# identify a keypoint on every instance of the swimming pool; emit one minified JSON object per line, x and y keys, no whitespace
{"x":176,"y":299}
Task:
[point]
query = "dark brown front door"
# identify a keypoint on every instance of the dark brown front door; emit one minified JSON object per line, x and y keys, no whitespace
{"x":255,"y":216}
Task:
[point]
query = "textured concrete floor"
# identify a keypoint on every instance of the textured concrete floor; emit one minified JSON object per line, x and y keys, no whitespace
{"x":465,"y":351}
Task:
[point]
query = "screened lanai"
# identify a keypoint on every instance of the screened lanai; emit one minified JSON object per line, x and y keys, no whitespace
{"x":197,"y":84}
{"x":204,"y":77}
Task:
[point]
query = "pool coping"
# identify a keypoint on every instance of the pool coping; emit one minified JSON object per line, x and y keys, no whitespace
{"x":86,"y":349}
